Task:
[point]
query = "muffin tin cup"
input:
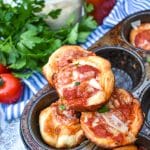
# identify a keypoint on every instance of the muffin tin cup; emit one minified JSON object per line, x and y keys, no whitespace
{"x":127,"y":66}
{"x":143,"y":17}
{"x":119,"y":35}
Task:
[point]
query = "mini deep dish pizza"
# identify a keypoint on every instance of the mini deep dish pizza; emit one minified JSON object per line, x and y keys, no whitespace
{"x":115,"y":124}
{"x":140,"y":36}
{"x":62,"y":57}
{"x":86,"y":83}
{"x":60,"y":127}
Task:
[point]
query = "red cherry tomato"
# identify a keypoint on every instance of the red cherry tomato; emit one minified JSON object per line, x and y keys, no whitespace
{"x":10,"y":88}
{"x":101,"y":8}
{"x":3,"y":69}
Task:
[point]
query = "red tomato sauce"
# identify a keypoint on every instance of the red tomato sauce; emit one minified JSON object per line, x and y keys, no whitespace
{"x":100,"y":130}
{"x":79,"y":92}
{"x":119,"y":138}
{"x":126,"y":111}
{"x":142,"y":40}
{"x":87,"y":68}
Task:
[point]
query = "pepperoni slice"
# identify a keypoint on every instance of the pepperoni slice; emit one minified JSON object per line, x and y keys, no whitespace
{"x":86,"y":69}
{"x":98,"y":126}
{"x":142,"y":40}
{"x":83,"y":91}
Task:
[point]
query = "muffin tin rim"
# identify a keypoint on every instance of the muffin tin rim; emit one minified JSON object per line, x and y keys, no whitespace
{"x":134,"y":54}
{"x":125,"y":21}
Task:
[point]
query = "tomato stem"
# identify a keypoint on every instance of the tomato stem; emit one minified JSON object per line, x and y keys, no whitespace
{"x":1,"y":81}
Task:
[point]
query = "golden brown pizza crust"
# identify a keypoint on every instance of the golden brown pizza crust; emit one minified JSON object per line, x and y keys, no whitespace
{"x":117,"y":127}
{"x":60,"y":128}
{"x":62,"y":57}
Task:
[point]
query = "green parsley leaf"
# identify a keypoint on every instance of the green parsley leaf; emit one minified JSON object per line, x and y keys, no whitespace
{"x":23,"y":75}
{"x":88,"y":8}
{"x":26,"y":41}
{"x":77,"y":83}
{"x":30,"y":39}
{"x":62,"y":107}
{"x":87,"y":23}
{"x":71,"y":19}
{"x":54,"y":13}
{"x":73,"y":35}
{"x":21,"y":62}
{"x":3,"y":58}
{"x":103,"y":109}
{"x":82,"y":36}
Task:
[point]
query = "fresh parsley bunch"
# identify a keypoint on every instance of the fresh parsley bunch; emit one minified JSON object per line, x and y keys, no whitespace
{"x":26,"y":41}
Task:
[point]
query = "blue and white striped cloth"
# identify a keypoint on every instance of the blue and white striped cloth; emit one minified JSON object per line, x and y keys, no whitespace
{"x":36,"y":82}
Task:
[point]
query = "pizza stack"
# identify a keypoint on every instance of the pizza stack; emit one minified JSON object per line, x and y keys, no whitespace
{"x":85,"y":83}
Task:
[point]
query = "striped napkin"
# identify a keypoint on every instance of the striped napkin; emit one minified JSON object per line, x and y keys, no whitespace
{"x":37,"y":81}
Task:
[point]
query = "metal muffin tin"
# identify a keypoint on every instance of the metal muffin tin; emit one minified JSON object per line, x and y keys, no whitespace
{"x":131,"y":73}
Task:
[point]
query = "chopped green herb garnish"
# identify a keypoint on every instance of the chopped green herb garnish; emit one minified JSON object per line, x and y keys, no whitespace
{"x":77,"y":83}
{"x":103,"y":109}
{"x":62,"y":107}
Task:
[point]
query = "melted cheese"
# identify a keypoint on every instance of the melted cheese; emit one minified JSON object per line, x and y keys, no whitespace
{"x":95,"y":122}
{"x":75,"y":75}
{"x":94,"y":83}
{"x":112,"y":130}
{"x":86,"y":119}
{"x":115,"y":122}
{"x":96,"y":98}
